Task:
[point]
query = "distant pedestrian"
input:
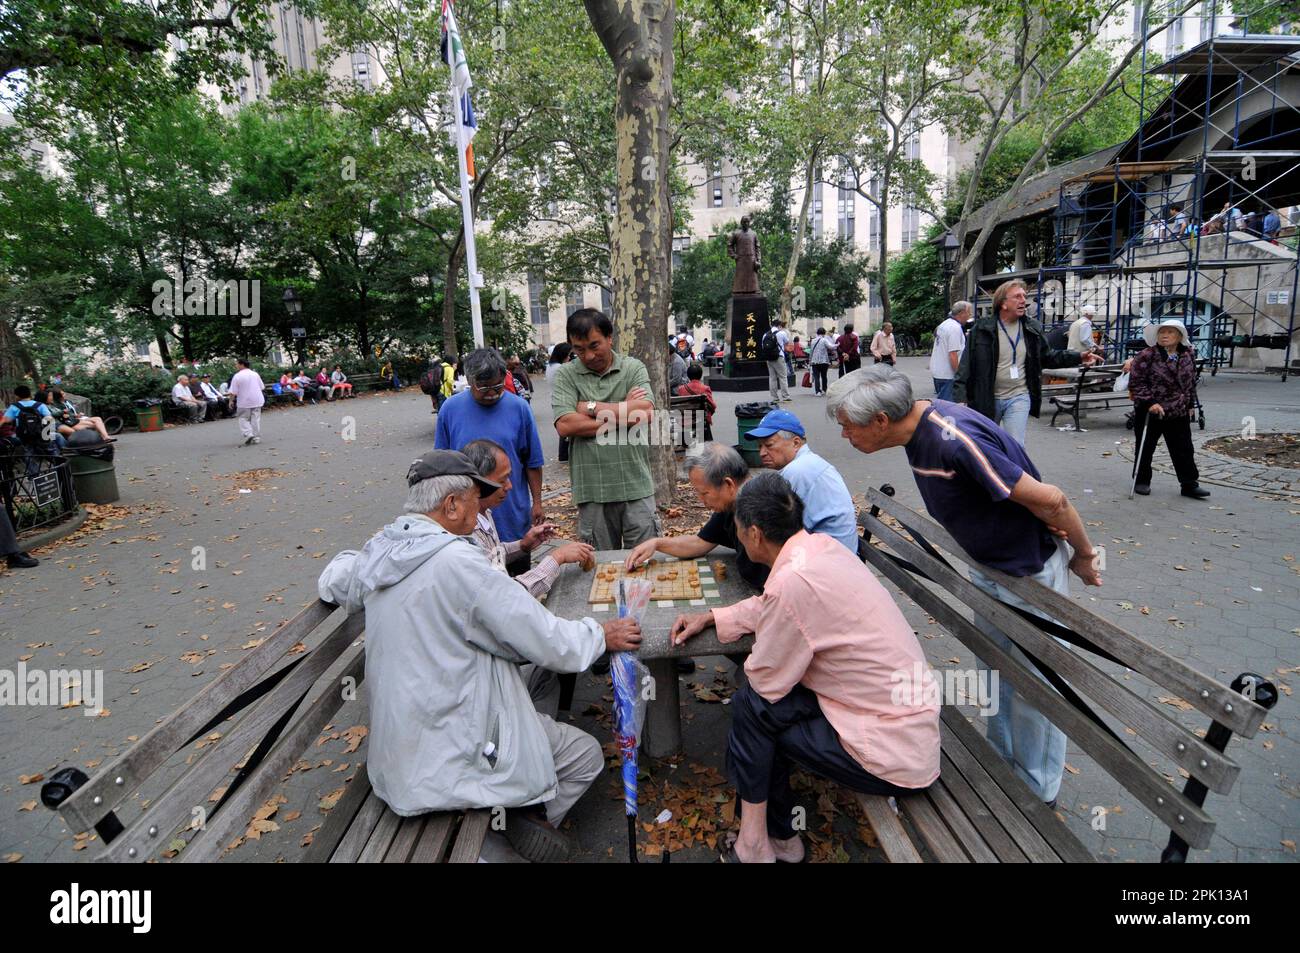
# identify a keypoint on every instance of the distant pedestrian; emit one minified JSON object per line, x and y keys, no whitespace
{"x":248,"y":389}
{"x":848,"y":349}
{"x":771,"y":348}
{"x":949,"y":342}
{"x":1163,"y":384}
{"x":823,"y":350}
{"x":883,"y":348}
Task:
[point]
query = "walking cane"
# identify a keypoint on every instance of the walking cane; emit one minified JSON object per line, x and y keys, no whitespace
{"x":1137,"y":461}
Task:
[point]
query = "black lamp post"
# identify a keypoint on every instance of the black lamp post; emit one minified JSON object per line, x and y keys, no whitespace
{"x":293,"y":304}
{"x":949,"y":252}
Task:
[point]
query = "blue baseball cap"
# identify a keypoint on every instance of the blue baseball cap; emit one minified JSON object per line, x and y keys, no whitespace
{"x":775,"y":420}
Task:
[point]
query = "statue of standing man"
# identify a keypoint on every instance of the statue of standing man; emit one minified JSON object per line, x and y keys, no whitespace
{"x":743,"y":247}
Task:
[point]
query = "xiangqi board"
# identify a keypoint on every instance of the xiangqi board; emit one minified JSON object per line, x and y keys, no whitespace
{"x":676,"y":580}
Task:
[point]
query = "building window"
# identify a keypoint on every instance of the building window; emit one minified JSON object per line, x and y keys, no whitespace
{"x":817,"y":204}
{"x":1174,"y":37}
{"x":873,"y":296}
{"x":141,"y":348}
{"x":257,"y":78}
{"x":714,"y":185}
{"x":911,"y":223}
{"x":361,"y":69}
{"x":912,"y":148}
{"x":844,"y":204}
{"x":680,"y":244}
{"x":536,"y":304}
{"x":606,"y":302}
{"x":573,"y":300}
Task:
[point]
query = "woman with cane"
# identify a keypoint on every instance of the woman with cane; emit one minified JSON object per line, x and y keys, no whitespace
{"x":1163,"y":385}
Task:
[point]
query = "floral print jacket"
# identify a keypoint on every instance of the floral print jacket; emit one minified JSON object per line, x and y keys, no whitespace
{"x":1159,"y":377}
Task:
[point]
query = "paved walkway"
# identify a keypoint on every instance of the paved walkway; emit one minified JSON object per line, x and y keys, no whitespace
{"x":128,"y":599}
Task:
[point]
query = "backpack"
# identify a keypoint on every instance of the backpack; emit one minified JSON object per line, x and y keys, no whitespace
{"x":30,"y":426}
{"x":430,"y":380}
{"x":769,"y":348}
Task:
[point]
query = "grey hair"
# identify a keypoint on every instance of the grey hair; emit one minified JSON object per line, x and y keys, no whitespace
{"x":717,"y":462}
{"x":878,"y":389}
{"x":484,"y":364}
{"x":483,"y":454}
{"x":427,"y":495}
{"x":788,"y":435}
{"x":959,"y":306}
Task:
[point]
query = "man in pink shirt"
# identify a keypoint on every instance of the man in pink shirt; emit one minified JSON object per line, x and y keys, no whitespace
{"x":247,"y":387}
{"x":824,"y":676}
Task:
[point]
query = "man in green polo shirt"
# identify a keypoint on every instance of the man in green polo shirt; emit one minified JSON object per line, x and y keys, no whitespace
{"x":602,"y":403}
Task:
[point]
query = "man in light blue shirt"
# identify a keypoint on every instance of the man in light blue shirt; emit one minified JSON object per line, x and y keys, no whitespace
{"x":827,"y":506}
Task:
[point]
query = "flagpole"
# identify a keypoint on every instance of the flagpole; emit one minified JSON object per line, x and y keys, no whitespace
{"x":467,"y":218}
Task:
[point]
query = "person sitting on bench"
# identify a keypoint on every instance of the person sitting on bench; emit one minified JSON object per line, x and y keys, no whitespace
{"x":980,"y":485}
{"x":339,"y":382}
{"x":70,"y":420}
{"x":183,"y":399}
{"x":451,"y":724}
{"x":822,"y":691}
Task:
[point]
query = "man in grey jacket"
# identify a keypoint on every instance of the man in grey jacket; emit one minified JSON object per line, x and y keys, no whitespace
{"x":451,"y":723}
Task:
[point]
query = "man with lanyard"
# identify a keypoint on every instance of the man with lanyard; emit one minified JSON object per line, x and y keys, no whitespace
{"x":1001,"y":371}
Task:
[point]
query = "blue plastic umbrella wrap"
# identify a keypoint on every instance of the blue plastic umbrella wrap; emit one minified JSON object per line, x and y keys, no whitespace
{"x":627,"y":673}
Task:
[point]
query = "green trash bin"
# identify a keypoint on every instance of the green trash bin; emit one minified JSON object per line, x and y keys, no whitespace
{"x":748,"y":416}
{"x":149,"y":419}
{"x":95,"y":480}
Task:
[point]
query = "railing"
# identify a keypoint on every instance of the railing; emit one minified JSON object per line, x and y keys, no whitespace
{"x":36,"y":488}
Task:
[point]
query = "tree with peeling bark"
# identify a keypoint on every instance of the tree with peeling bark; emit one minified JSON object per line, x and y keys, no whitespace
{"x":638,"y":37}
{"x":1028,"y":56}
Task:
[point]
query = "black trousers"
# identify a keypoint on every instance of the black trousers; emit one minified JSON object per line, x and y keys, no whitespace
{"x":849,"y":365}
{"x":520,"y":564}
{"x":1177,"y":432}
{"x":768,"y":738}
{"x":819,"y":377}
{"x":8,"y":538}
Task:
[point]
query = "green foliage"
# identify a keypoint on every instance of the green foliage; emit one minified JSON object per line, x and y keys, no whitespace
{"x":916,"y":280}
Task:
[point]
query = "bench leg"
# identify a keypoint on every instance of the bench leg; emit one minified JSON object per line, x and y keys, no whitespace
{"x":568,"y":681}
{"x":663,"y":723}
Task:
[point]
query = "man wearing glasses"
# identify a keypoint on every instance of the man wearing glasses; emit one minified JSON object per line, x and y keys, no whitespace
{"x":487,"y":410}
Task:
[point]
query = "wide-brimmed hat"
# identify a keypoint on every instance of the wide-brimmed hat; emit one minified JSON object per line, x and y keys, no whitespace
{"x":1149,"y":332}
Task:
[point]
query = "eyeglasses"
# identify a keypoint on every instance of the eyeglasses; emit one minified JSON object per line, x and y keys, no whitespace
{"x":493,"y":389}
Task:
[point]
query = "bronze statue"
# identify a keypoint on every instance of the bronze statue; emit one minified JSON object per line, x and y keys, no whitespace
{"x":743,"y":247}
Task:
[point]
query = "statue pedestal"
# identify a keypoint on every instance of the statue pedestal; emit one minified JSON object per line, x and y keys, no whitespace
{"x":747,"y":322}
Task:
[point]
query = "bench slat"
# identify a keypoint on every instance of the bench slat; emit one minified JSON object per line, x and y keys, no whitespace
{"x":1216,"y":770}
{"x":339,"y":819}
{"x":146,"y":756}
{"x":194,"y":785}
{"x":938,"y":838}
{"x":469,"y":842}
{"x":359,"y":831}
{"x":1042,"y":818}
{"x":1206,"y":694}
{"x":891,"y":834}
{"x":432,"y":845}
{"x":209,"y":843}
{"x":1123,"y":765}
{"x":966,"y":833}
{"x":979,"y":814}
{"x":377,"y":846}
{"x":408,"y":833}
{"x":970,"y":764}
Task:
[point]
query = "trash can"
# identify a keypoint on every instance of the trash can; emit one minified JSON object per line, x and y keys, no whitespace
{"x":748,"y":416}
{"x":94,"y":478}
{"x":148,"y":415}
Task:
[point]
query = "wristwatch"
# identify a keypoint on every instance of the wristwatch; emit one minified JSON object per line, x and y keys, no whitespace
{"x":591,"y":408}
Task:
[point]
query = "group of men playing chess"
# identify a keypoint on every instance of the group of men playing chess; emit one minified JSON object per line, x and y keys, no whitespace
{"x":461,"y":657}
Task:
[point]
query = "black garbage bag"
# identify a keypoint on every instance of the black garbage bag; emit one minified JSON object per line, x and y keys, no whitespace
{"x":754,"y":409}
{"x":143,"y":402}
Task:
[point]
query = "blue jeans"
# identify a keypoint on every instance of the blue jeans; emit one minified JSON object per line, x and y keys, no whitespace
{"x":1032,"y":745}
{"x":1012,"y":415}
{"x":943,"y":387}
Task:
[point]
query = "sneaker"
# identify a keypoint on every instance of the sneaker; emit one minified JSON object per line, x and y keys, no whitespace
{"x":534,"y":839}
{"x":1142,"y":489}
{"x":249,"y":440}
{"x":22,"y":561}
{"x":1196,"y":492}
{"x":256,"y":439}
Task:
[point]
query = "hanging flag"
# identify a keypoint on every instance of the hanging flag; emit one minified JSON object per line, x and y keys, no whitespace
{"x":453,"y":54}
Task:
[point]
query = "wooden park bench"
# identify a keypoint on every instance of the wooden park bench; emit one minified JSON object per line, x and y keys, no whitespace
{"x":688,"y":413}
{"x":979,"y":810}
{"x":368,"y":382}
{"x":1076,"y":405}
{"x":266,"y":711}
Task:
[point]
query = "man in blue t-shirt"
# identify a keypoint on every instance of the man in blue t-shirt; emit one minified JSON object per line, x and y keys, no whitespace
{"x":980,"y":485}
{"x":487,"y":410}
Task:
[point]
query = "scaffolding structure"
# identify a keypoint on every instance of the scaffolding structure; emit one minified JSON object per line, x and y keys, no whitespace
{"x":1175,"y":225}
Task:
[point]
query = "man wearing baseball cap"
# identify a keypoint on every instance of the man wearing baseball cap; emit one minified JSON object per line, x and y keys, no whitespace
{"x":451,"y":724}
{"x":827,"y":505}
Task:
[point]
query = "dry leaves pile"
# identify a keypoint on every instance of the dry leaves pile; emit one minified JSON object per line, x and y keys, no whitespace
{"x":683,"y":518}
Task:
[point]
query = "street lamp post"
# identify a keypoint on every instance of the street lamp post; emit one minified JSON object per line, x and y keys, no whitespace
{"x":949,"y":251}
{"x":293,"y":304}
